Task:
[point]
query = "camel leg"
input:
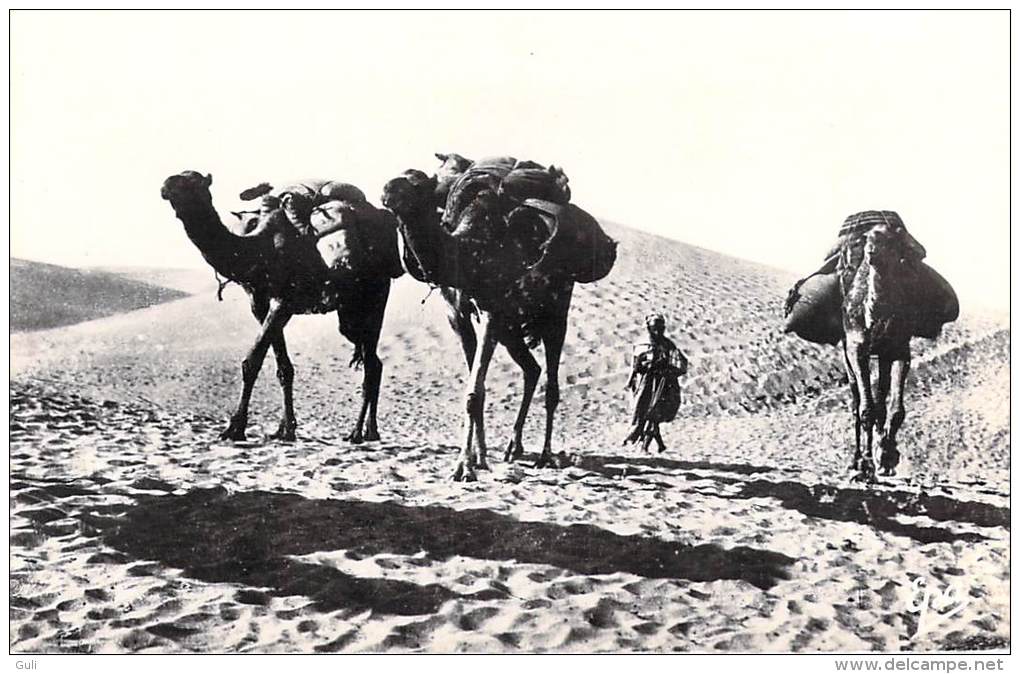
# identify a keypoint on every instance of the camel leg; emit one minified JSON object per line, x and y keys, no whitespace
{"x":460,"y":321}
{"x":855,"y":408}
{"x":370,"y":384}
{"x":373,"y":367}
{"x":657,"y":434}
{"x":371,"y":372}
{"x":895,"y":414}
{"x":272,"y":327}
{"x":285,"y":374}
{"x":521,"y":355}
{"x":861,"y":365}
{"x":360,"y":318}
{"x":553,"y":341}
{"x":474,"y":403}
{"x":882,"y":394}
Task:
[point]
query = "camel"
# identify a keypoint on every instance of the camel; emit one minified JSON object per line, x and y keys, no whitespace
{"x":879,"y":275}
{"x":284,"y":274}
{"x":516,"y":300}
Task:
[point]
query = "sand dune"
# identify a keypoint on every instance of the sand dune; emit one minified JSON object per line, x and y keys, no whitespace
{"x":135,"y":530}
{"x":47,"y":296}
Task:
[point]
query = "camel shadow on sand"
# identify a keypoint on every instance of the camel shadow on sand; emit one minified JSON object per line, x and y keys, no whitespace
{"x":877,"y":508}
{"x":248,"y":538}
{"x":881,"y":509}
{"x":604,"y":464}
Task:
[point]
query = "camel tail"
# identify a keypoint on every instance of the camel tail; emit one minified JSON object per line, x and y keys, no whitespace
{"x":358,"y":358}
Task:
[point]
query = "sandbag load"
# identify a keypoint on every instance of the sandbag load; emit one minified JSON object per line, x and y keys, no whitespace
{"x":935,"y":301}
{"x":351,"y":234}
{"x":815,"y":312}
{"x":814,"y":305}
{"x":577,"y":246}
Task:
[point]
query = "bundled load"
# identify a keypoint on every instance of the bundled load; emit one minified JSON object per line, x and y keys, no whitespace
{"x":517,"y":216}
{"x":350,"y":233}
{"x":507,"y":179}
{"x":452,"y":167}
{"x":358,"y":238}
{"x":814,"y":304}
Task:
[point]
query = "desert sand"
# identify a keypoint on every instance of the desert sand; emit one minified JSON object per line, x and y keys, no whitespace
{"x":134,"y":529}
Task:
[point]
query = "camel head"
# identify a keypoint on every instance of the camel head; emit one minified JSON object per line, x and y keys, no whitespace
{"x":187,"y":187}
{"x":890,"y":244}
{"x":410,"y":192}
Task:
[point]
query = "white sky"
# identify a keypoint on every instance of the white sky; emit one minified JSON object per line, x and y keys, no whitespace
{"x":753,"y":134}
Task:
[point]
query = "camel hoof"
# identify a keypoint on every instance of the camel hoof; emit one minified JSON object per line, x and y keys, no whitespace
{"x":235,"y":432}
{"x":890,"y":457}
{"x":372,"y":436}
{"x":514,"y":451}
{"x":355,"y":438}
{"x":544,"y":461}
{"x":464,"y":473}
{"x":866,"y":474}
{"x":285,"y":433}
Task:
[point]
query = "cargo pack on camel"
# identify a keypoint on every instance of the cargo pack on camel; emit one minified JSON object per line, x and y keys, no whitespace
{"x":350,"y":234}
{"x":813,"y":305}
{"x":516,"y":216}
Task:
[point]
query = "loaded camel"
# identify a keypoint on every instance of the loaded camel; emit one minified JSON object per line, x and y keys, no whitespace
{"x":879,"y":319}
{"x":503,"y":267}
{"x":872,"y":296}
{"x":284,"y":274}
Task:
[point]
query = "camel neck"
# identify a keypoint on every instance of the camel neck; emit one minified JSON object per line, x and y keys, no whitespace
{"x":427,"y":245}
{"x":230,"y":255}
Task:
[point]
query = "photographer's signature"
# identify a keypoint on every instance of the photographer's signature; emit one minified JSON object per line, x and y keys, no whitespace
{"x":935,"y":606}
